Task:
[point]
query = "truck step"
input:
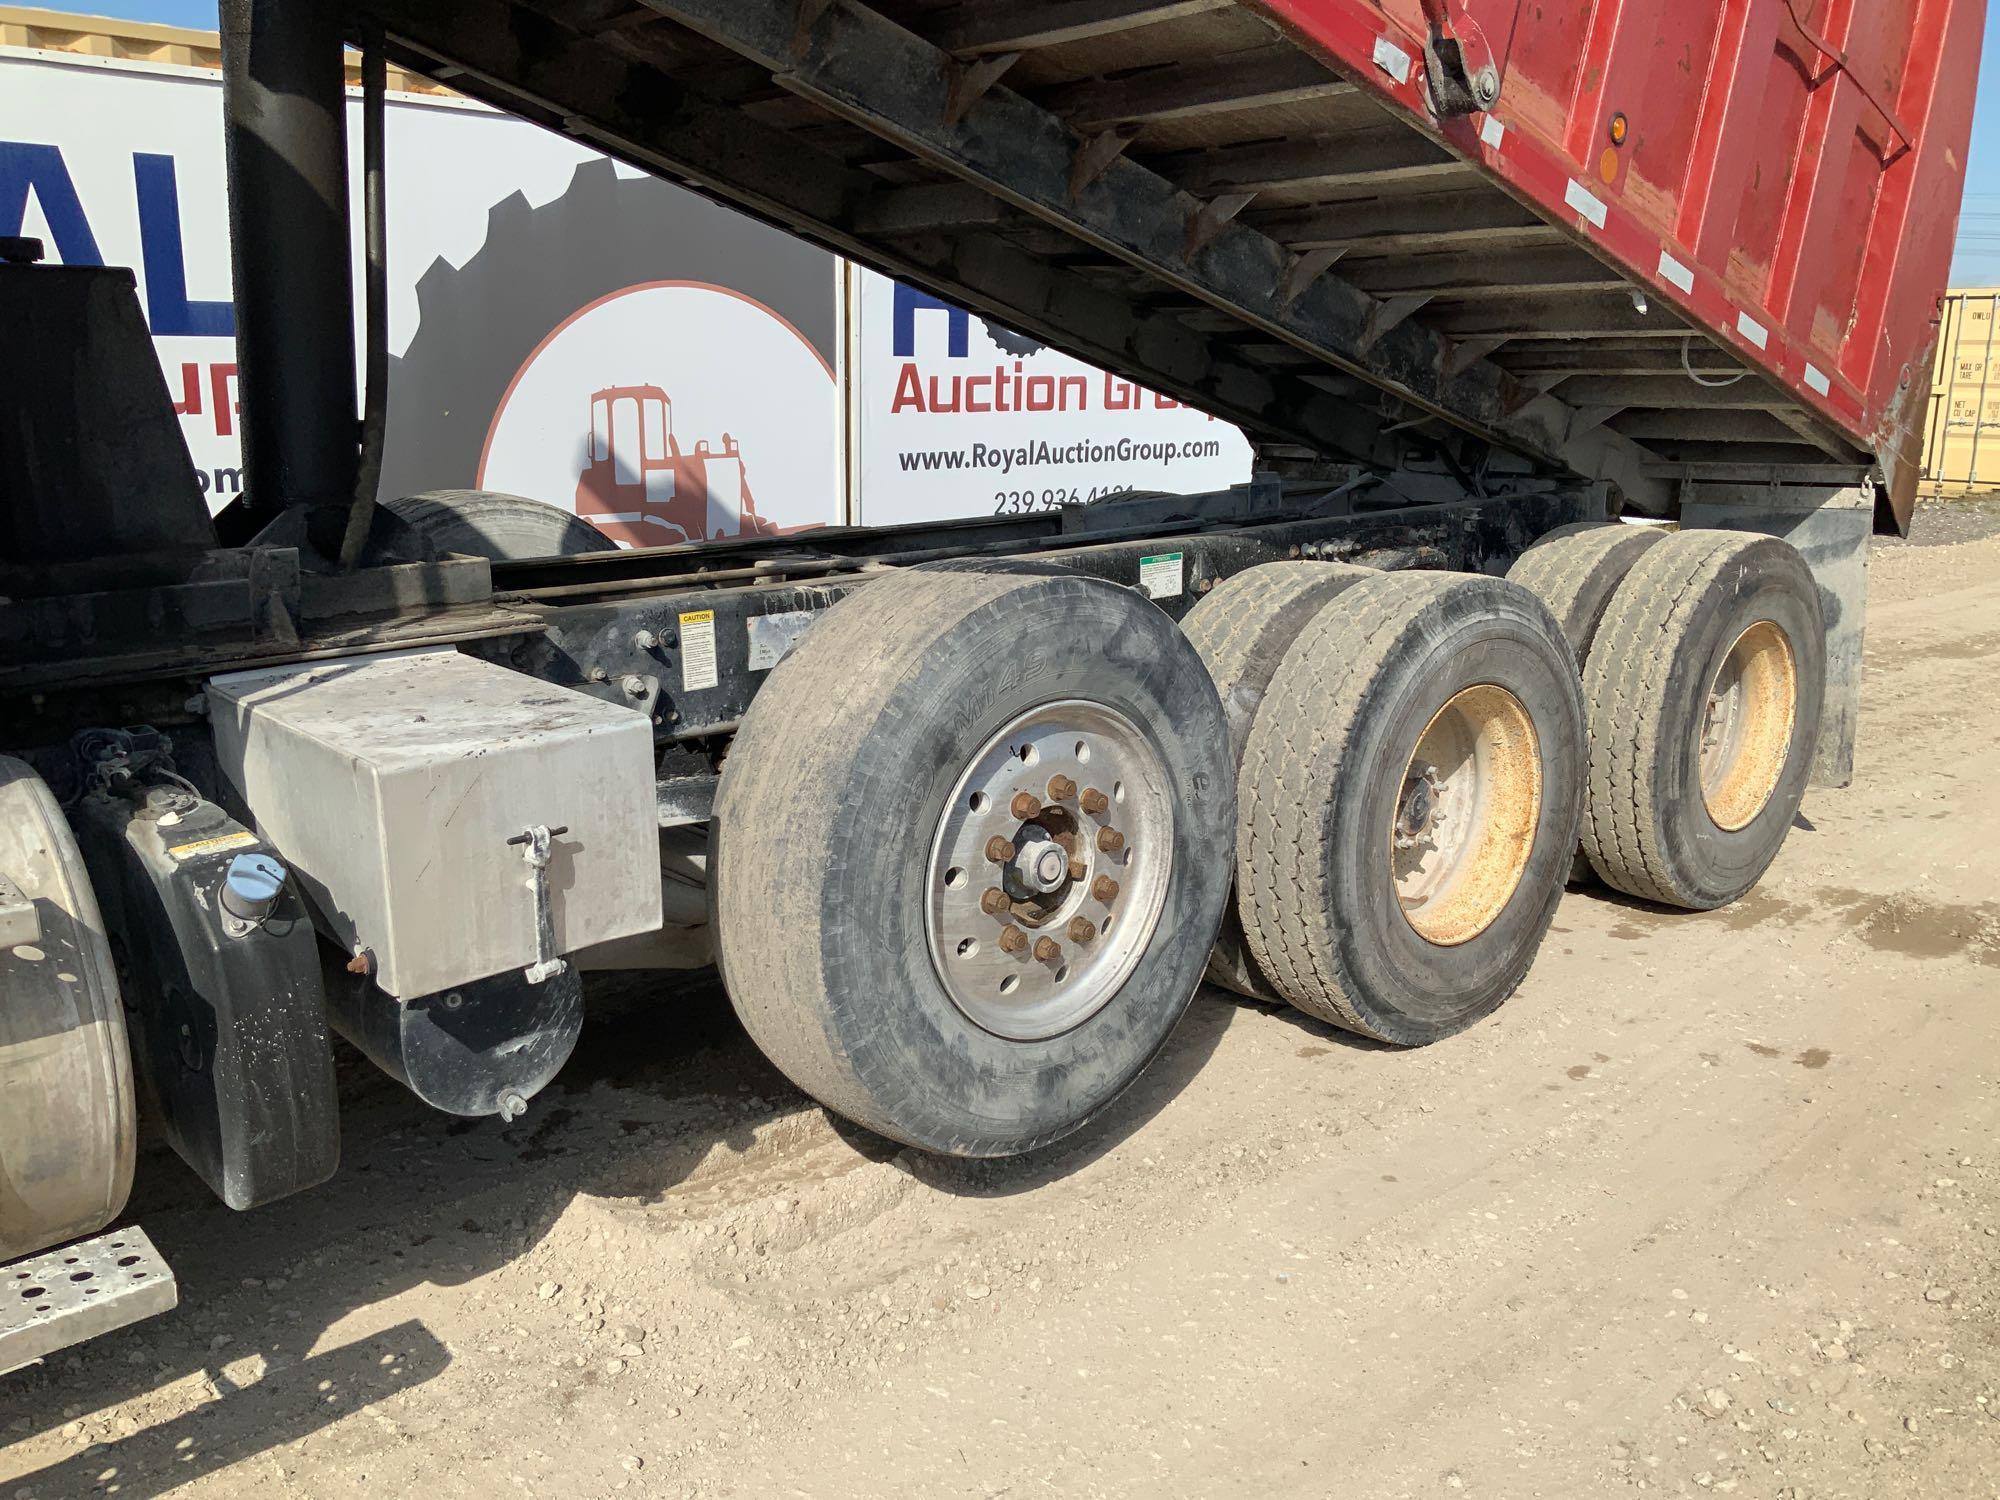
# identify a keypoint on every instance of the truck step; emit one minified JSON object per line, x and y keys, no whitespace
{"x":79,"y":1291}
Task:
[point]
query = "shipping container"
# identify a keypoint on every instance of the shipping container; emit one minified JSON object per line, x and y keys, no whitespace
{"x":1962,"y":439}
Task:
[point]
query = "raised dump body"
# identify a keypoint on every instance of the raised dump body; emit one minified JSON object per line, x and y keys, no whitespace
{"x":1641,"y":242}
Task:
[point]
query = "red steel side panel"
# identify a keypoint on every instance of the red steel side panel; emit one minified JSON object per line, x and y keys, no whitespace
{"x":1790,"y":176}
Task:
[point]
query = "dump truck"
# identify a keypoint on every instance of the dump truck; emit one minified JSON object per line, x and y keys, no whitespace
{"x":1582,"y":347}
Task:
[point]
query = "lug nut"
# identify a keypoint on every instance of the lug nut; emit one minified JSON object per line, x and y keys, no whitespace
{"x":1110,"y":840}
{"x":994,"y":903}
{"x":1048,"y":950}
{"x":1093,"y":801}
{"x":999,"y":850}
{"x":1012,"y":940}
{"x":1104,"y":888}
{"x":1026,"y":805}
{"x":1078,"y":869}
{"x":1081,"y":931}
{"x":1061,"y":789}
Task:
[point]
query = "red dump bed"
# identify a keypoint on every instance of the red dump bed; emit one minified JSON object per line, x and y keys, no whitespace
{"x":1786,"y":172}
{"x":1647,"y":242}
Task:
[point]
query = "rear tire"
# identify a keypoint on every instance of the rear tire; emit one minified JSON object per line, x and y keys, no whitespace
{"x":1575,"y":570}
{"x":1411,"y":694}
{"x":849,"y":920}
{"x":1242,"y":630}
{"x":1705,"y":689}
{"x":505,"y":528}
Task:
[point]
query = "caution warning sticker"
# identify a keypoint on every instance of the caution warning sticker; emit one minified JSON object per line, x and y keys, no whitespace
{"x":698,"y":650}
{"x":1162,"y":576}
{"x":241,"y":839}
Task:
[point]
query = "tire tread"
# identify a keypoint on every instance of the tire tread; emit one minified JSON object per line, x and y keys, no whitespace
{"x":1265,"y":607}
{"x":1567,"y":570}
{"x":1625,"y":690}
{"x":1317,"y":701}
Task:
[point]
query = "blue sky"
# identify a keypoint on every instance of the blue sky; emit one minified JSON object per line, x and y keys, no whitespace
{"x":1978,"y":262}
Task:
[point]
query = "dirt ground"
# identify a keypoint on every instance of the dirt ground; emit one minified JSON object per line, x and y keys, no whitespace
{"x":1711,"y":1206}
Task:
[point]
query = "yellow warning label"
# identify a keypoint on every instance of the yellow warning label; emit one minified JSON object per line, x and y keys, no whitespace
{"x":698,"y":650}
{"x":241,"y":839}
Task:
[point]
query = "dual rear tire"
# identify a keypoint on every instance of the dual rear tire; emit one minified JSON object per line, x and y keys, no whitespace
{"x":1705,"y":688}
{"x":1408,"y":792}
{"x":1676,"y":748}
{"x":1703,"y":656}
{"x":974,"y":838}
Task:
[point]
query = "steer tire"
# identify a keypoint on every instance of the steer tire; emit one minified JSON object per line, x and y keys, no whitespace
{"x":505,"y":528}
{"x":843,"y":793}
{"x":68,"y":1113}
{"x":1701,"y":610}
{"x":1575,"y":570}
{"x":1242,"y":629}
{"x":1326,"y":787}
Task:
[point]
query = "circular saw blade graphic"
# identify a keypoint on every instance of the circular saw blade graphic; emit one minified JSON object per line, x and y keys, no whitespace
{"x":1009,"y":342}
{"x":539,"y":269}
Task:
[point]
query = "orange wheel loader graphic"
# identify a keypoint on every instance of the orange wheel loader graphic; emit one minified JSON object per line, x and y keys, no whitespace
{"x":641,"y":489}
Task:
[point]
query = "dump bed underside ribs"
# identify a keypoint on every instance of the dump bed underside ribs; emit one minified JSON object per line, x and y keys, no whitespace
{"x":1169,"y":188}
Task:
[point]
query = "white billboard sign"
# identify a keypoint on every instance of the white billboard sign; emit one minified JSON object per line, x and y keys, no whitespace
{"x":588,"y":335}
{"x":957,"y":416}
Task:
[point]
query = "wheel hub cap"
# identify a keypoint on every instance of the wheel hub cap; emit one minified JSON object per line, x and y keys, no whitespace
{"x":1420,"y":811}
{"x":1041,"y":867}
{"x":1049,"y":869}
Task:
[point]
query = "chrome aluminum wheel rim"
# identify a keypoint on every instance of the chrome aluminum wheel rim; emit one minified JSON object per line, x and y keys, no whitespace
{"x":1048,"y":870}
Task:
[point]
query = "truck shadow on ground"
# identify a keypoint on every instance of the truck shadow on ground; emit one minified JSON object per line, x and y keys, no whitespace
{"x":260,"y":1417}
{"x":1322,"y":1036}
{"x":664,"y":1083}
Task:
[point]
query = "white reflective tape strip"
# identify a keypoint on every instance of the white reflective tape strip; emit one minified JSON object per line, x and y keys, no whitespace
{"x":1675,"y":274}
{"x":1492,"y":133}
{"x":1585,"y":202}
{"x":1816,"y":378}
{"x":1392,"y":59}
{"x":1752,"y":330}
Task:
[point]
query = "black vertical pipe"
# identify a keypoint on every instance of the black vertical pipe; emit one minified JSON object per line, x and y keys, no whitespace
{"x":375,"y":314}
{"x":284,"y":107}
